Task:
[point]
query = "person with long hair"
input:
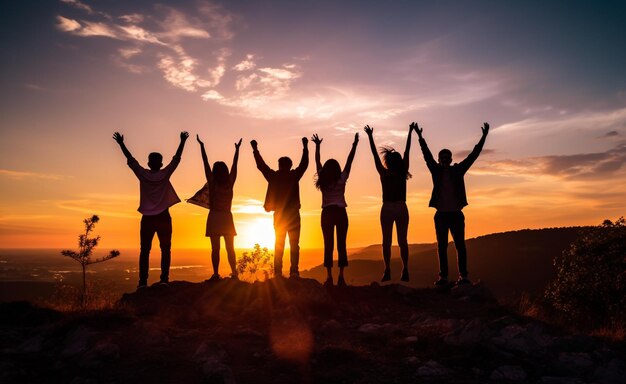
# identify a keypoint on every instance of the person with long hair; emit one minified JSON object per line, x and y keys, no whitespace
{"x":220,"y":220}
{"x":331,"y":180}
{"x":393,"y":172}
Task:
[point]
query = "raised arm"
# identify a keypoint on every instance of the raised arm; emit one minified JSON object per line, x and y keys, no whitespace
{"x":205,"y":160}
{"x":471,"y":158}
{"x":348,"y":165}
{"x":370,"y":135}
{"x":184,"y":135}
{"x":318,"y":143}
{"x":120,"y":140}
{"x":260,"y":163}
{"x":304,"y":160}
{"x":233,"y":168}
{"x":407,"y":149}
{"x":428,"y":156}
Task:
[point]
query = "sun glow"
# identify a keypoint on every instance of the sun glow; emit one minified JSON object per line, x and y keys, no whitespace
{"x":259,"y":230}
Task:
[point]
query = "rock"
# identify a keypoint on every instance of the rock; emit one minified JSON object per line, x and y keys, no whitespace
{"x":104,"y":350}
{"x":576,"y":363}
{"x":209,"y":351}
{"x":410,"y":340}
{"x":613,"y":372}
{"x":216,"y":372}
{"x":31,"y":345}
{"x":412,"y":360}
{"x":560,"y":380}
{"x":151,"y":334}
{"x":471,"y":333}
{"x":432,"y":368}
{"x":77,"y":341}
{"x":509,"y":372}
{"x":331,"y":325}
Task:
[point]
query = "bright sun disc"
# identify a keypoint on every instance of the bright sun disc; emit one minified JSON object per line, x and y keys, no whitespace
{"x":256,"y":231}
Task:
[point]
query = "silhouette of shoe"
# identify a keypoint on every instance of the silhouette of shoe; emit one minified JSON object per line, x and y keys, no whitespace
{"x":294,"y":275}
{"x":164,"y":283}
{"x":141,"y":285}
{"x":234,"y":276}
{"x":463,"y":281}
{"x":213,"y":278}
{"x":405,"y":275}
{"x":341,"y":282}
{"x":441,"y":282}
{"x":386,"y":276}
{"x":329,"y":282}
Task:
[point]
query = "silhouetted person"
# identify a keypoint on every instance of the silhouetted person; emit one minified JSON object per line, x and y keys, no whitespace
{"x":220,"y":222}
{"x":449,"y":198}
{"x":393,"y":176}
{"x":283,"y":197}
{"x":156,"y":195}
{"x":332,"y":182}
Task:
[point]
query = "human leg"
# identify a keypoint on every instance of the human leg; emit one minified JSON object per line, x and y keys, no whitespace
{"x":457,"y":229}
{"x":215,"y":254}
{"x":402,"y":228}
{"x":294,"y":244}
{"x":328,"y":226}
{"x":164,"y":233}
{"x":441,"y":230}
{"x":279,"y":245}
{"x":229,"y":241}
{"x":342,"y":234}
{"x":386,"y":225}
{"x":146,"y":234}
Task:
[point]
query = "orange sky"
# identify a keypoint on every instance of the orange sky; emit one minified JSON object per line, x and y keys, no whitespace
{"x":78,"y":71}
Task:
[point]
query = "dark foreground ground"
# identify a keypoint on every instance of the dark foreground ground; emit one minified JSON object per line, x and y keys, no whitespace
{"x":297,"y":331}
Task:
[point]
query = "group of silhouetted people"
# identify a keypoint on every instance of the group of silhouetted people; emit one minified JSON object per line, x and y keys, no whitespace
{"x":283,"y":198}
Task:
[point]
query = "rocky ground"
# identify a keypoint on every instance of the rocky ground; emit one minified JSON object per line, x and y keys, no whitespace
{"x":297,"y":331}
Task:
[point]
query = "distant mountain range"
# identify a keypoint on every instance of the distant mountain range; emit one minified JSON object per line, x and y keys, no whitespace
{"x":509,"y":263}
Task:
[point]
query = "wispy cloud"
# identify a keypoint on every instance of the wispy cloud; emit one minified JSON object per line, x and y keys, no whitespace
{"x":583,"y":166}
{"x":25,"y":175}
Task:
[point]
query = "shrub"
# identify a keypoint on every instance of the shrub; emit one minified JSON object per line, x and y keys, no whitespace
{"x":590,"y":286}
{"x":255,"y":265}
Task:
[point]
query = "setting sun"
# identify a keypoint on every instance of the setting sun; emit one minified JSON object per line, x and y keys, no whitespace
{"x":256,"y":231}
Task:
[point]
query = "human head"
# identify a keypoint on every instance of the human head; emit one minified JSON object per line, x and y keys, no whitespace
{"x":284,"y":163}
{"x":155,"y":161}
{"x":445,"y":157}
{"x":220,"y":172}
{"x":329,"y":174}
{"x":393,"y":161}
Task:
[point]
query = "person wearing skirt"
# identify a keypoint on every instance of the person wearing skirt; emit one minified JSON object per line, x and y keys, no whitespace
{"x":220,"y":220}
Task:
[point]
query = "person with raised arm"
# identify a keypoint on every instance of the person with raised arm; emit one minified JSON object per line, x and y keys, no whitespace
{"x":448,"y":198}
{"x":393,"y":176}
{"x":283,"y":197}
{"x":220,"y":222}
{"x":331,"y":180}
{"x":156,"y":195}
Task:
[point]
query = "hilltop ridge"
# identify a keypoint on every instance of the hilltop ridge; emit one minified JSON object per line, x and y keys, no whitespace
{"x":296,"y":330}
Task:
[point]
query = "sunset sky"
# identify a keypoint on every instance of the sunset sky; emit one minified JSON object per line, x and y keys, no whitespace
{"x":550,"y":77}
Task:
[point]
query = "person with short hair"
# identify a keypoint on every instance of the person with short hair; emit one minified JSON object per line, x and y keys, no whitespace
{"x":283,"y":197}
{"x":156,"y":195}
{"x":449,"y":197}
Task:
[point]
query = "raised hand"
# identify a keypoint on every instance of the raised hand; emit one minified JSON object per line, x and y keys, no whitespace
{"x":417,"y":129}
{"x":118,"y":137}
{"x":198,"y":138}
{"x":184,"y":135}
{"x":254,"y":144}
{"x":305,"y":141}
{"x":485,"y":129}
{"x":356,"y":139}
{"x":369,"y":130}
{"x":238,"y":144}
{"x":316,"y":139}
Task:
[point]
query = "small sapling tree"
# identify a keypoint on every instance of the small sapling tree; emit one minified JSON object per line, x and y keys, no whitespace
{"x":86,"y":246}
